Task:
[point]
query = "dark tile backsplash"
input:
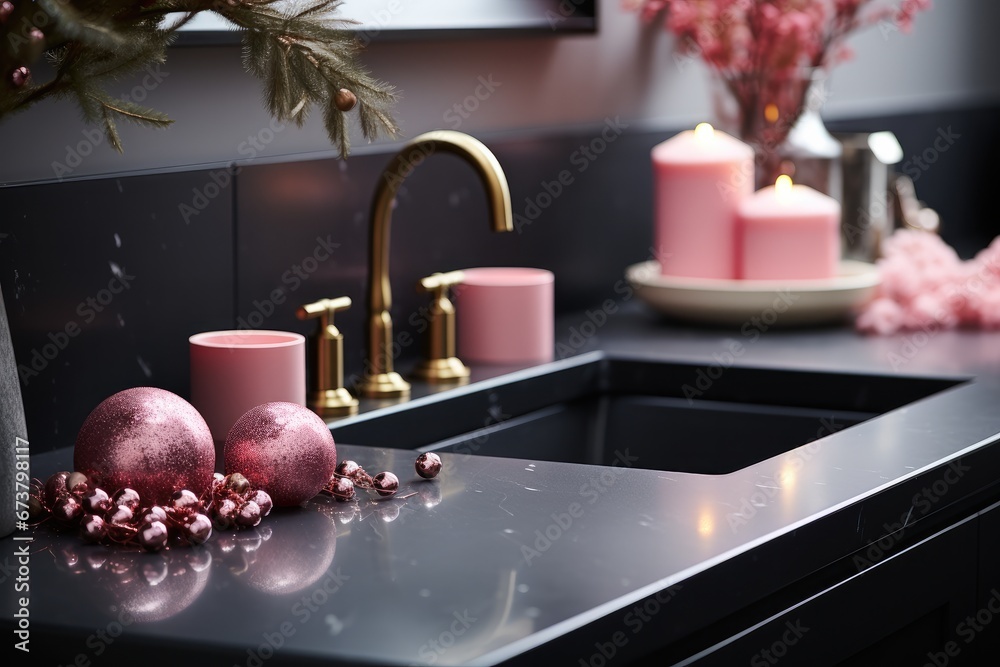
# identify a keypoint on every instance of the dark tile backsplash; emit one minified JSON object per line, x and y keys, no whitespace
{"x":287,"y":233}
{"x":104,"y":282}
{"x":314,"y":215}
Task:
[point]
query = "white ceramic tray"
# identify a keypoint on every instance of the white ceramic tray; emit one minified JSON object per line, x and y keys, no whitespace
{"x":777,"y":302}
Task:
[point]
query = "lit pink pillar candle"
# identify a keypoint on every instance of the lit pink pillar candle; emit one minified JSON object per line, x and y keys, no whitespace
{"x":788,"y":232}
{"x":700,"y":178}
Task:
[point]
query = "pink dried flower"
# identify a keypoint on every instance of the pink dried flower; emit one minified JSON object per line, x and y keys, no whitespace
{"x":988,"y":259}
{"x":907,"y":10}
{"x":930,"y":310}
{"x":881,"y":316}
{"x":925,"y":285}
{"x":761,"y":48}
{"x":763,"y":39}
{"x":756,"y":45}
{"x":989,"y":309}
{"x":772,"y":32}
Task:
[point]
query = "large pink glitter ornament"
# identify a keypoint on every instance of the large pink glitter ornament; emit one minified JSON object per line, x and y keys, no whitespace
{"x":284,"y":449}
{"x":149,"y":440}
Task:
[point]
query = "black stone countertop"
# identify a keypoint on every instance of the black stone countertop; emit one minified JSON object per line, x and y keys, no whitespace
{"x":523,"y":561}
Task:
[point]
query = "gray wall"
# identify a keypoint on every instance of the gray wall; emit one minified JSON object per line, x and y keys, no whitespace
{"x":545,"y":83}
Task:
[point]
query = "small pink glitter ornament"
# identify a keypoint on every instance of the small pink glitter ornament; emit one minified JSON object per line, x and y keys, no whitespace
{"x":284,"y":449}
{"x":149,"y":440}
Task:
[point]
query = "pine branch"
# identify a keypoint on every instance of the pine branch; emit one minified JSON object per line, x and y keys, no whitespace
{"x":111,"y":132}
{"x":322,"y":7}
{"x":110,"y":107}
{"x":134,"y":112}
{"x":303,"y":60}
{"x":303,"y":56}
{"x":71,"y":24}
{"x":333,"y":120}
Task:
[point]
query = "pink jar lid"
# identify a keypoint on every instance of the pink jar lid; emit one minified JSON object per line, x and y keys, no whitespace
{"x":506,"y":276}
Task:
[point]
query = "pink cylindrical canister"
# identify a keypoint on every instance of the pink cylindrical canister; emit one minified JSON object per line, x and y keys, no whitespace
{"x":234,"y":371}
{"x":505,"y":315}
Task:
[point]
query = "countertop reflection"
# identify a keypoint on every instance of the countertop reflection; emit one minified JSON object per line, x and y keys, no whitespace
{"x":504,"y":559}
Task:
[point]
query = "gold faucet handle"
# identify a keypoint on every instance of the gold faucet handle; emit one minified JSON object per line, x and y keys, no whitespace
{"x":324,"y":309}
{"x":328,"y":396}
{"x":441,"y":363}
{"x":439,"y":282}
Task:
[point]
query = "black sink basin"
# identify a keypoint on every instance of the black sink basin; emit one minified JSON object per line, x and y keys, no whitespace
{"x":669,"y":416}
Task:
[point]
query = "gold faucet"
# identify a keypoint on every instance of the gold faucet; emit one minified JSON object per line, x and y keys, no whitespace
{"x":441,"y":364}
{"x":382,"y":381}
{"x":328,"y":396}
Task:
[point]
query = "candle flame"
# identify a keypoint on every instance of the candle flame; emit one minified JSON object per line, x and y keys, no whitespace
{"x":704,"y":131}
{"x":771,"y":113}
{"x":783,"y":186}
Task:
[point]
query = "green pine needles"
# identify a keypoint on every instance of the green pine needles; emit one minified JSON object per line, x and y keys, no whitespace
{"x":302,"y":55}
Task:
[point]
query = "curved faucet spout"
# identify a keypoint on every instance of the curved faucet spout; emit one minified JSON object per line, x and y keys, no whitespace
{"x":380,"y":379}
